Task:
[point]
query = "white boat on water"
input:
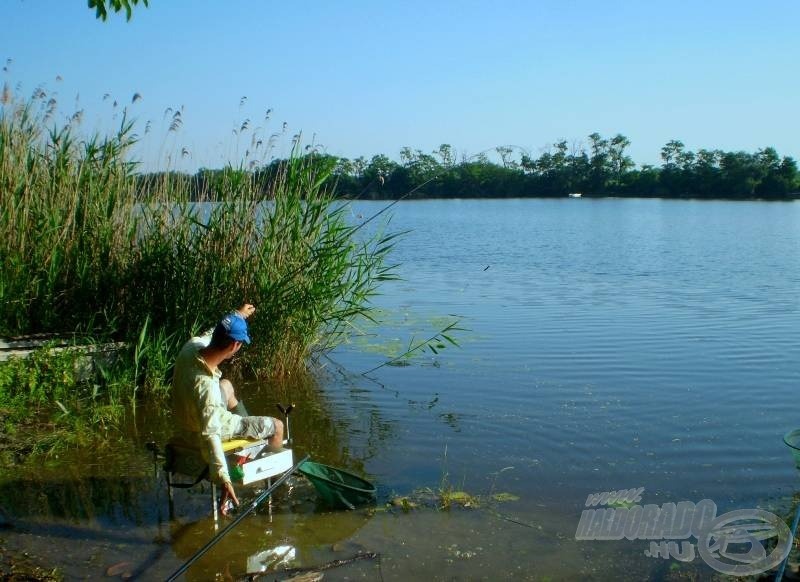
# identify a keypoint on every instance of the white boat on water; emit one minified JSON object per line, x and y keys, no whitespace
{"x":574,"y":194}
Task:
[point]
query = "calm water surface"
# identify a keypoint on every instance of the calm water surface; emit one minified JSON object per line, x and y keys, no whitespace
{"x":611,"y":344}
{"x":614,"y":343}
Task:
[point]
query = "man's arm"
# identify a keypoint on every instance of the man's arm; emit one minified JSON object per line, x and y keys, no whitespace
{"x":246,"y":310}
{"x":215,"y":444}
{"x":211,"y":410}
{"x":218,"y":467}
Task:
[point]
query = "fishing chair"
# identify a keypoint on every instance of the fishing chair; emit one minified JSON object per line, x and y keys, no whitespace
{"x":248,"y":461}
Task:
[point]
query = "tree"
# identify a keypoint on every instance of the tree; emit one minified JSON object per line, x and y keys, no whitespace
{"x":445,"y":152}
{"x":644,"y":182}
{"x":706,"y":173}
{"x":778,"y":176}
{"x":740,"y":174}
{"x":505,"y":155}
{"x":552,"y":172}
{"x":620,"y":163}
{"x":578,"y":168}
{"x":672,"y":176}
{"x":380,"y":178}
{"x":102,"y":7}
{"x":419,"y":166}
{"x":599,"y":170}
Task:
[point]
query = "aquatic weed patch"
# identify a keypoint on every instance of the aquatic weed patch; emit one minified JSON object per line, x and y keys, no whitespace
{"x":50,"y":401}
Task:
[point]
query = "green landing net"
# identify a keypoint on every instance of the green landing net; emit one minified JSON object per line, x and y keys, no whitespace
{"x":792,"y":440}
{"x":337,"y":488}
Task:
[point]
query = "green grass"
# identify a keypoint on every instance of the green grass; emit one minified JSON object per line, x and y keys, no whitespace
{"x":50,"y":401}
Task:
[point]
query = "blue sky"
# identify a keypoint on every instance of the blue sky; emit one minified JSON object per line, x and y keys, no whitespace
{"x":367,"y":77}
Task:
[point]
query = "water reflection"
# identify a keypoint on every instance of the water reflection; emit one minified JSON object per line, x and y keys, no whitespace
{"x":112,"y":485}
{"x":344,"y":432}
{"x":291,"y":534}
{"x":116,"y":495}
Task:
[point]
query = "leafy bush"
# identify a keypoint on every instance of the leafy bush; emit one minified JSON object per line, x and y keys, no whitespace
{"x":39,"y":380}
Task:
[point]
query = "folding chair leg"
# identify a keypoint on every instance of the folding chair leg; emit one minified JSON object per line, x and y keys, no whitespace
{"x":269,"y":500}
{"x":170,"y":496}
{"x":214,"y":505}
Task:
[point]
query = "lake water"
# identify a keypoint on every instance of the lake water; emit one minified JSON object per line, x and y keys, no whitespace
{"x":607,"y":344}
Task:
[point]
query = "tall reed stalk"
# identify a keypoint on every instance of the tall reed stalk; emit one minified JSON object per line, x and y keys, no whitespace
{"x":87,"y":251}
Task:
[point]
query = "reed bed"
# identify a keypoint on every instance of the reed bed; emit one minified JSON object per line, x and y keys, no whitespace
{"x":90,"y":252}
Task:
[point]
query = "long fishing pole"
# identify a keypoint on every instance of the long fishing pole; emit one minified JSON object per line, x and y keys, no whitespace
{"x":235,"y":522}
{"x":391,"y":204}
{"x":352,"y":230}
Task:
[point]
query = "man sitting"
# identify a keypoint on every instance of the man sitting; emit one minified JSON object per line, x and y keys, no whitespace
{"x":205,"y":407}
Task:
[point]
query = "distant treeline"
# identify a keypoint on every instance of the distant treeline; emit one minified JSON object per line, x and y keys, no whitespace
{"x":602,"y":169}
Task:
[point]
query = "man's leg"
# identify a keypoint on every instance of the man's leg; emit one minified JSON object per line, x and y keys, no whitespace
{"x":276,"y":440}
{"x":229,"y":396}
{"x":263,"y":427}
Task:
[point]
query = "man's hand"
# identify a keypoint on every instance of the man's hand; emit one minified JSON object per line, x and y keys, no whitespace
{"x":246,"y":310}
{"x":227,"y":493}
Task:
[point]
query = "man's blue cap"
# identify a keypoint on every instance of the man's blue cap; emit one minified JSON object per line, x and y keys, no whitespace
{"x":234,"y":326}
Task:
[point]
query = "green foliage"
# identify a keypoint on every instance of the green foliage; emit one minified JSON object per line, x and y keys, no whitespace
{"x":277,"y":240}
{"x":90,"y":249}
{"x":601,"y":168}
{"x":152,"y":358}
{"x":102,"y":7}
{"x":58,"y":389}
{"x":62,"y":221}
{"x":45,"y":377}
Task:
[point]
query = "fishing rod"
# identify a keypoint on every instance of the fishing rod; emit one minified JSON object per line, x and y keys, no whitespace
{"x":386,"y":208}
{"x":276,"y":287}
{"x":235,"y":522}
{"x":369,"y":219}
